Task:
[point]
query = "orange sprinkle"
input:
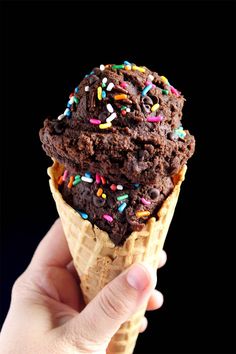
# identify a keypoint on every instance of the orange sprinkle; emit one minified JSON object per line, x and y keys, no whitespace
{"x":141,"y":214}
{"x":103,"y":180}
{"x":60,"y":180}
{"x":99,"y":192}
{"x":120,"y":97}
{"x":70,"y":184}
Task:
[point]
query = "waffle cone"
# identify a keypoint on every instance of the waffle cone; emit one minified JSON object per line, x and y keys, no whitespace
{"x":98,"y":261}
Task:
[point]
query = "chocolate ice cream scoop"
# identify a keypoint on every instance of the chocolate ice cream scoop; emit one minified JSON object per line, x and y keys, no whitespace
{"x":122,"y":123}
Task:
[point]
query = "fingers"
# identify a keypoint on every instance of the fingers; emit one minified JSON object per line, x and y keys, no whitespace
{"x":155,"y":301}
{"x":114,"y":305}
{"x":144,"y":325}
{"x":163,"y":259}
{"x":53,"y":249}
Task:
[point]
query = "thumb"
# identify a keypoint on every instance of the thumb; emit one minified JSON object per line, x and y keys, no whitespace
{"x":93,"y":328}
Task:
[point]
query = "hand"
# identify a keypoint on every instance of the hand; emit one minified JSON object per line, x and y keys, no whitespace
{"x":47,"y":314}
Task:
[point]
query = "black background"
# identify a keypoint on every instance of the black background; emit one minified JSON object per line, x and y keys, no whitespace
{"x":47,"y":49}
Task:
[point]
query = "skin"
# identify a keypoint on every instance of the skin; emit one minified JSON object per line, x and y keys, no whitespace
{"x":47,"y":313}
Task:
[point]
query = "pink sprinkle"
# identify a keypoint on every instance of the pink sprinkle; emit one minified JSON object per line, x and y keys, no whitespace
{"x":145,"y":202}
{"x":124,"y":84}
{"x":154,"y":119}
{"x":98,"y":178}
{"x":173,"y":90}
{"x":65,"y":174}
{"x":108,"y":217}
{"x":95,"y":121}
{"x":147,"y":83}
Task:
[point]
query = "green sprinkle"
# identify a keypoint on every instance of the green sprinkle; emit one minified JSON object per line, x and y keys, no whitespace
{"x":122,"y":197}
{"x":77,"y":180}
{"x":76,"y":100}
{"x":103,"y":84}
{"x":165,"y":92}
{"x":123,"y":108}
{"x":77,"y":177}
{"x":118,"y":66}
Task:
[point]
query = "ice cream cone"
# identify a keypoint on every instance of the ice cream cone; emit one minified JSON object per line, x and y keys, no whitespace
{"x":98,"y":261}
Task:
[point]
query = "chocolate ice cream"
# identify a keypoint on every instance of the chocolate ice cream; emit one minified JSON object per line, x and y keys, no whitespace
{"x":121,"y":142}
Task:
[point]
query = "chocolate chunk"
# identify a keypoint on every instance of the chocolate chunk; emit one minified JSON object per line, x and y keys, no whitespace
{"x":154,"y":193}
{"x":58,"y":126}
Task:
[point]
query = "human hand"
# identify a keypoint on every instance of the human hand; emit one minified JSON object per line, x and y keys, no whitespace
{"x":47,"y":314}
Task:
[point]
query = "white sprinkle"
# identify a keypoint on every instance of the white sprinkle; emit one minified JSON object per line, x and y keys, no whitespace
{"x":87,"y":179}
{"x":86,"y":88}
{"x":102,"y":67}
{"x":111,"y":117}
{"x":71,"y":101}
{"x":151,"y":77}
{"x":128,"y":109}
{"x":61,"y":116}
{"x":119,"y":187}
{"x":104,"y":80}
{"x":110,"y":108}
{"x":110,"y":86}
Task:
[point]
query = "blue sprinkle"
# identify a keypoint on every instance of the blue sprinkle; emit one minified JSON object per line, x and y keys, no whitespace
{"x":127,"y":62}
{"x":136,"y":185}
{"x":104,"y":94}
{"x":82,"y":214}
{"x":122,"y":207}
{"x":146,"y":89}
{"x":67,"y":112}
{"x":76,"y":90}
{"x":88,"y":174}
{"x":68,"y":104}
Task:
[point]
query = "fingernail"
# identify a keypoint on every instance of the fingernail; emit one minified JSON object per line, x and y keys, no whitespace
{"x":139,"y":277}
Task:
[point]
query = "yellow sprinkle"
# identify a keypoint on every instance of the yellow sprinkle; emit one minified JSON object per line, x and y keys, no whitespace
{"x":164,"y":79}
{"x":104,"y":196}
{"x":142,"y":70}
{"x":127,"y":67}
{"x":99,"y":192}
{"x":141,"y":214}
{"x":155,"y":107}
{"x":99,"y":92}
{"x":105,"y":125}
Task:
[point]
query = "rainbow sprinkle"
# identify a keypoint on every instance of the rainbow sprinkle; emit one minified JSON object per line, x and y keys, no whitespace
{"x":141,"y":214}
{"x":122,"y":207}
{"x":108,"y":218}
{"x":154,"y":119}
{"x":82,"y":214}
{"x":122,"y":197}
{"x":105,"y":125}
{"x":145,"y":201}
{"x":146,"y":89}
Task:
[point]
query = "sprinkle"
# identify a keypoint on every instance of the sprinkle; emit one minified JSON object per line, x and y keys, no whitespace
{"x":113,"y":187}
{"x":65,"y":174}
{"x":70,"y":184}
{"x":128,"y":67}
{"x":180,"y":132}
{"x":77,"y":177}
{"x":103,"y":94}
{"x":104,"y":80}
{"x":122,"y":207}
{"x":99,"y":192}
{"x":145,"y":202}
{"x":119,"y":187}
{"x":105,"y":125}
{"x":141,"y":214}
{"x":111,"y":117}
{"x":122,"y":197}
{"x":104,"y":195}
{"x":124,"y":84}
{"x":165,"y":80}
{"x":120,"y":97}
{"x":87,"y":179}
{"x":110,"y":108}
{"x":174,"y":91}
{"x":118,"y":66}
{"x":77,"y":181}
{"x":165,"y":92}
{"x":86,"y":89}
{"x":102,"y":67}
{"x":128,"y":109}
{"x":155,"y":107}
{"x":67,"y":112}
{"x":76,"y":90}
{"x":95,"y":121}
{"x":60,"y":181}
{"x":82,"y":214}
{"x":123,"y":112}
{"x":154,"y":119}
{"x":76,"y":100}
{"x":87,"y":174}
{"x":99,"y":93}
{"x":136,"y":185}
{"x":110,"y":86}
{"x":146,"y":89}
{"x":98,"y":178}
{"x":150,"y":77}
{"x":71,"y":95}
{"x":61,"y":116}
{"x":103,"y":179}
{"x":142,"y":70}
{"x":92,"y":72}
{"x":108,"y":217}
{"x":71,"y":101}
{"x":127,"y":62}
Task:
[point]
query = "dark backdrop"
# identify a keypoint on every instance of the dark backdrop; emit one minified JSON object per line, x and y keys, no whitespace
{"x":47,"y":50}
